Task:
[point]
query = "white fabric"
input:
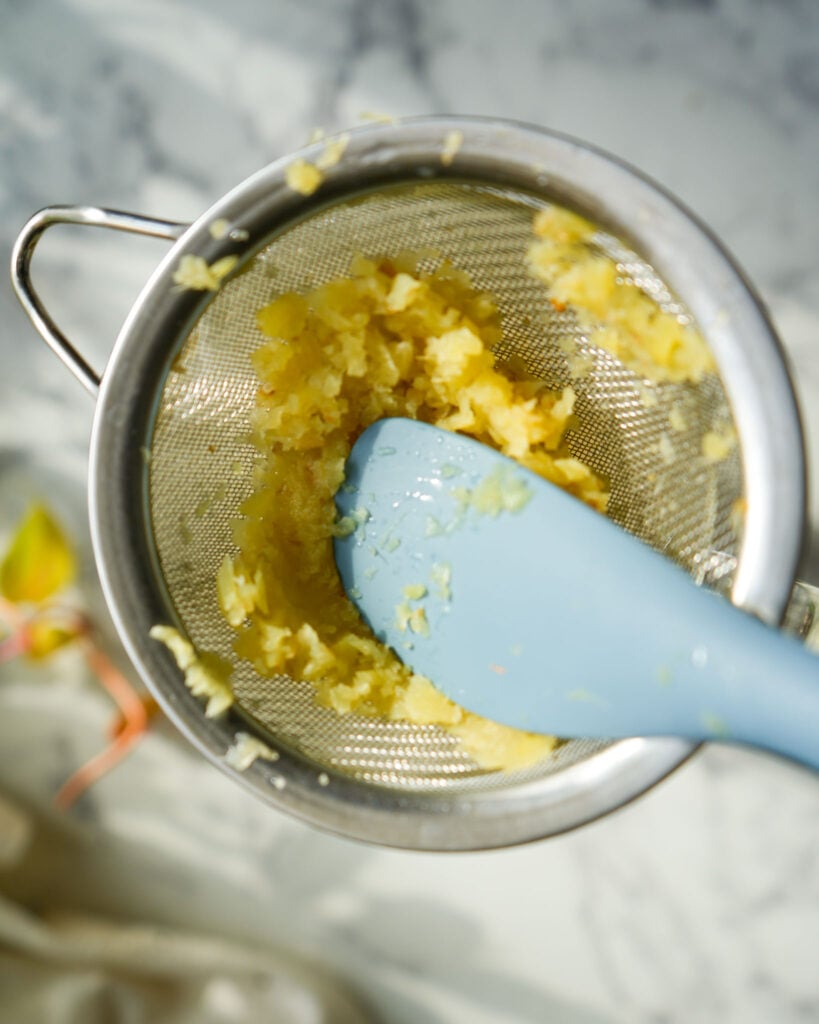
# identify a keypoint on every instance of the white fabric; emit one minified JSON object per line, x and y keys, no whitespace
{"x":74,"y":969}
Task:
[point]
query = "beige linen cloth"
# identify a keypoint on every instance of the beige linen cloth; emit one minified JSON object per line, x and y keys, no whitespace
{"x":71,"y":969}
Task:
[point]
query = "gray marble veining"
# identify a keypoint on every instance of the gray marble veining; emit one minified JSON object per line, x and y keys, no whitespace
{"x":698,"y":903}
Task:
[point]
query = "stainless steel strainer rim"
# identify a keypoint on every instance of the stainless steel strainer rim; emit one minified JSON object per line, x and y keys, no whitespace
{"x":525,"y":158}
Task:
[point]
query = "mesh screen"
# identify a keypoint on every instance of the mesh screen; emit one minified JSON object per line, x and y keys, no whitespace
{"x":201,"y":458}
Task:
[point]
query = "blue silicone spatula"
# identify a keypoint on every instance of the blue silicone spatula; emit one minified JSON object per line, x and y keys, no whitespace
{"x":527,"y":607}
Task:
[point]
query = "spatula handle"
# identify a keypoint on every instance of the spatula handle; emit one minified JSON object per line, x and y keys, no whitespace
{"x":741,"y":680}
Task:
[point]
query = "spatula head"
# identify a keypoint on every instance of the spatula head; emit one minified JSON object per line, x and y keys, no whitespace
{"x":517,"y":601}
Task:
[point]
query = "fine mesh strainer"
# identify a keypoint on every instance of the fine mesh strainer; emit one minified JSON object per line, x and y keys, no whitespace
{"x":171,"y":460}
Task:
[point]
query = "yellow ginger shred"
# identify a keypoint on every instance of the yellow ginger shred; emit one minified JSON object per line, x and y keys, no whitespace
{"x":206,"y":674}
{"x":333,"y":152}
{"x":194,"y":273}
{"x":303,"y":177}
{"x":376,"y":117}
{"x":718,"y":444}
{"x":247,"y":749}
{"x":452,"y":143}
{"x":219,"y":228}
{"x":441,"y":577}
{"x":418,"y":622}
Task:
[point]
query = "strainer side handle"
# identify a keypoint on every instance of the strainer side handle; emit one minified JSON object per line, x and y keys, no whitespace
{"x":23,"y":250}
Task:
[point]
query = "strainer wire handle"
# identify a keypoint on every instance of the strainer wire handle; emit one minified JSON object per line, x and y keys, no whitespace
{"x":90,"y":216}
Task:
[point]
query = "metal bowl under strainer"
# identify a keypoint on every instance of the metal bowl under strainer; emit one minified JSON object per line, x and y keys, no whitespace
{"x":171,"y":461}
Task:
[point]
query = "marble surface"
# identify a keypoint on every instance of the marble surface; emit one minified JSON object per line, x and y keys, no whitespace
{"x":698,"y":903}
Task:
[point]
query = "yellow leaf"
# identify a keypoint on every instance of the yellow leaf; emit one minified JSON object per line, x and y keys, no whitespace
{"x":39,"y":561}
{"x":45,"y":637}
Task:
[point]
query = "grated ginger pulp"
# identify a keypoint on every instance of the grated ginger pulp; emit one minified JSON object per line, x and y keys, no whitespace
{"x":618,"y":315}
{"x":389,"y":340}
